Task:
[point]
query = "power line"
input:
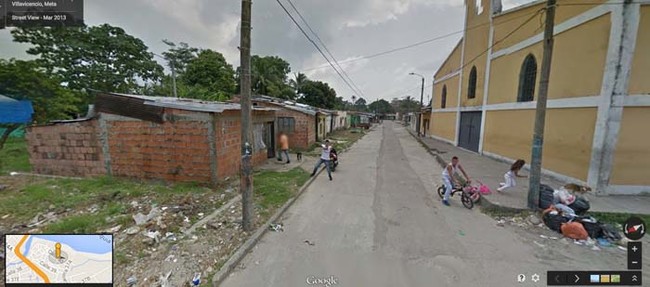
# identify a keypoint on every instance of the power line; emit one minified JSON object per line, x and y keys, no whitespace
{"x":502,"y":39}
{"x":326,"y":49}
{"x":314,"y":43}
{"x":418,"y":43}
{"x":458,"y":32}
{"x":491,"y":46}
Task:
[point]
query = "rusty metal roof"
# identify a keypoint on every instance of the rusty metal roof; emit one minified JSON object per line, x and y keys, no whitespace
{"x":290,"y":105}
{"x":189,"y":104}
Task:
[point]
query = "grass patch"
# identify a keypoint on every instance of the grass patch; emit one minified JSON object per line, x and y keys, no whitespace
{"x":343,"y":139}
{"x":613,"y":218}
{"x":14,"y":156}
{"x":495,"y":212}
{"x":110,"y":194}
{"x":87,"y":223}
{"x":272,"y":188}
{"x":120,"y":258}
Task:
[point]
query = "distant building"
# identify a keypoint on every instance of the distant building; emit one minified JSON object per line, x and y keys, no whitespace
{"x":484,"y":93}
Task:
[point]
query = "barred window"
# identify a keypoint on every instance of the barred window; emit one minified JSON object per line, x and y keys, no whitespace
{"x":286,"y":124}
{"x":471,"y":87}
{"x":527,"y":78}
{"x":443,"y":97}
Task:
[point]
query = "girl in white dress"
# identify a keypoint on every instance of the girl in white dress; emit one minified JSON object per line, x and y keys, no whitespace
{"x":511,"y":175}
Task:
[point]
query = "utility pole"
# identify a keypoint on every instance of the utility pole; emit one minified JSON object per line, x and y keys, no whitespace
{"x":540,"y":114}
{"x":420,"y":132}
{"x":174,"y":77}
{"x":419,"y":120}
{"x":172,"y":60}
{"x":246,"y":176}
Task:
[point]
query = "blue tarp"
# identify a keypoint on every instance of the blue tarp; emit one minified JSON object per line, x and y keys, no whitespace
{"x":15,"y":112}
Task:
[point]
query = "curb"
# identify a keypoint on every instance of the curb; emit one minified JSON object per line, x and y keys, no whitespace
{"x":484,"y":202}
{"x":243,"y":250}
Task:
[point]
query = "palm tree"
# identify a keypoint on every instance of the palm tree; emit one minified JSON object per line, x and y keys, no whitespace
{"x":298,"y":82}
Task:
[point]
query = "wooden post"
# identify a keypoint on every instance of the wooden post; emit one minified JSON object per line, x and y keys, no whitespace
{"x":246,"y":177}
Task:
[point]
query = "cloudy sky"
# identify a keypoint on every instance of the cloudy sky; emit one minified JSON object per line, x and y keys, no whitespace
{"x":351,"y":29}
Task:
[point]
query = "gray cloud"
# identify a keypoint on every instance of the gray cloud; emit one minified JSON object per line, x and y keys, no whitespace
{"x":350,"y":29}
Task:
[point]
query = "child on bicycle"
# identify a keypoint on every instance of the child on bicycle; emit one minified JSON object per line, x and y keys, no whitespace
{"x":511,"y":175}
{"x":448,"y":177}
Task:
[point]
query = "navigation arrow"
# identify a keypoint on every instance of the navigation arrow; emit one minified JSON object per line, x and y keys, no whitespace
{"x":577,"y":278}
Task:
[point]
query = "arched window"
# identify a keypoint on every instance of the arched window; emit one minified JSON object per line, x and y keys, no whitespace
{"x":443,"y":97}
{"x":527,"y":78}
{"x":471,"y":87}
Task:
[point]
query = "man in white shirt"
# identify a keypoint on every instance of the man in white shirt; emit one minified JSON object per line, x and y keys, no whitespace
{"x":324,"y":158}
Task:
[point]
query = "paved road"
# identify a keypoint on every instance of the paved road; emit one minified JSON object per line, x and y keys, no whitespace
{"x":380,"y":223}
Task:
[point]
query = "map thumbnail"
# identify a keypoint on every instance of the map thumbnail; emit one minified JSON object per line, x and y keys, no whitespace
{"x":71,"y":258}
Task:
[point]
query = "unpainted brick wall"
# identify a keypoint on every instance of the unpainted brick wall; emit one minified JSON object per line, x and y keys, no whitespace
{"x":305,"y":129}
{"x":66,"y":149}
{"x":228,"y":130}
{"x":171,"y":151}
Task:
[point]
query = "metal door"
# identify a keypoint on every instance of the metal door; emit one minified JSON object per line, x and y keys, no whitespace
{"x":470,"y":130}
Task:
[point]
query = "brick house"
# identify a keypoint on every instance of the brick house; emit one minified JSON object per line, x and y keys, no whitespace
{"x":154,"y":138}
{"x":298,"y":121}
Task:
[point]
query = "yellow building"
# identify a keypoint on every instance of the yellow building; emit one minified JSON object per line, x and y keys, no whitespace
{"x":598,"y":112}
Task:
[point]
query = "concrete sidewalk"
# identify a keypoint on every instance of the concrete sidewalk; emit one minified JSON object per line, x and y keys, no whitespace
{"x":490,"y":172}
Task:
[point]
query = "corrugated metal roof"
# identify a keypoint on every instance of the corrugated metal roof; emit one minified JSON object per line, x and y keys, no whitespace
{"x":190,"y":104}
{"x":302,"y":108}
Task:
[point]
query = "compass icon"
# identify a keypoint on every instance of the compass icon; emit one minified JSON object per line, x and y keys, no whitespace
{"x":634,"y":228}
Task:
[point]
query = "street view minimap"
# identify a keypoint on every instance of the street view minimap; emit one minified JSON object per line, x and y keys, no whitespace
{"x":59,"y":259}
{"x":324,"y":143}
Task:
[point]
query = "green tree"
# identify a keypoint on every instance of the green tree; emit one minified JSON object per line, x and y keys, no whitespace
{"x":181,"y":54}
{"x":210,"y":72}
{"x":298,"y":82}
{"x":318,"y":94}
{"x":269,"y":77}
{"x":24,"y":80}
{"x":381,"y":106}
{"x":360,"y":105}
{"x":100,"y":57}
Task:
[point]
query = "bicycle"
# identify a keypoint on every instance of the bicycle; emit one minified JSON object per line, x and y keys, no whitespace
{"x":465,"y":197}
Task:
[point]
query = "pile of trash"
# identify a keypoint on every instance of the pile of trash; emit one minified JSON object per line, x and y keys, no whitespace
{"x":580,"y":227}
{"x":565,"y":213}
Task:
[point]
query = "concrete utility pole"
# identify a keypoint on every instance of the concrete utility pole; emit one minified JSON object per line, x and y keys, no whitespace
{"x":419,"y":121}
{"x":174,"y":77}
{"x":246,"y":176}
{"x":540,"y":114}
{"x":172,"y":66}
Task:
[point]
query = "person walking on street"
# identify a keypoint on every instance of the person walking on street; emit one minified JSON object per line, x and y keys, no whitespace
{"x":448,"y":177}
{"x":284,"y":147}
{"x":511,"y":175}
{"x":324,"y":158}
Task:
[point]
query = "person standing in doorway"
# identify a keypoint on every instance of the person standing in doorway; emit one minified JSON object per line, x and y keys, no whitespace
{"x":448,"y":177}
{"x":284,"y":147}
{"x":324,"y":158}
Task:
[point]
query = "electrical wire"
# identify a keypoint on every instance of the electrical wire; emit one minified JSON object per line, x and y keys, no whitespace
{"x":494,"y":44}
{"x":314,"y":43}
{"x":417,"y":43}
{"x":358,"y":91}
